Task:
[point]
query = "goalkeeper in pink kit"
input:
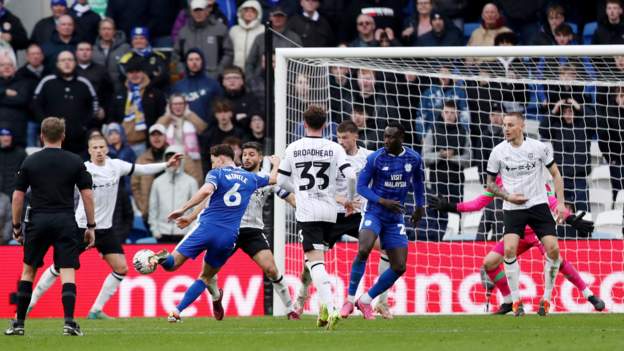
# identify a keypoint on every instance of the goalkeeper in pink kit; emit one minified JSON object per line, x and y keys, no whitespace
{"x":492,"y":271}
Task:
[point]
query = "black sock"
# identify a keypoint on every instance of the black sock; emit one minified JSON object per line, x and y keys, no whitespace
{"x":24,"y":292}
{"x":69,"y":301}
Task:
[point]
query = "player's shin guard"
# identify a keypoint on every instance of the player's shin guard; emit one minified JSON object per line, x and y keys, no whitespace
{"x":24,"y":293}
{"x":191,"y":294}
{"x":512,"y":272}
{"x":384,"y":264}
{"x":357,"y":271}
{"x":46,"y":280}
{"x":385,"y":281}
{"x":551,"y":267}
{"x":109,"y":288}
{"x":282,"y":291}
{"x":497,"y":275}
{"x":69,"y":301}
{"x":322,"y":283}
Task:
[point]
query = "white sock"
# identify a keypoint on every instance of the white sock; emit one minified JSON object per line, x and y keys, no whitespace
{"x":111,"y":283}
{"x":351,"y":298}
{"x":213,"y":288}
{"x":551,"y":267}
{"x":282,"y":292}
{"x":306,"y":280}
{"x":322,"y":283}
{"x":45,"y":282}
{"x":507,"y":299}
{"x":384,"y":264}
{"x":587,"y":293}
{"x":512,"y":272}
{"x":366,"y":298}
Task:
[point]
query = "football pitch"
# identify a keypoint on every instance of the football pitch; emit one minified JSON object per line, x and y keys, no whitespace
{"x":555,"y":332}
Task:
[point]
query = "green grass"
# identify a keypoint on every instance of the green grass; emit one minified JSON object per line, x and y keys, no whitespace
{"x":555,"y":332}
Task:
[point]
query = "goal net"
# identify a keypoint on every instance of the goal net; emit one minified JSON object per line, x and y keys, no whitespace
{"x":451,"y":102}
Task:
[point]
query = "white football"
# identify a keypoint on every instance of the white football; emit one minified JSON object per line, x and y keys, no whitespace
{"x":141,"y":261}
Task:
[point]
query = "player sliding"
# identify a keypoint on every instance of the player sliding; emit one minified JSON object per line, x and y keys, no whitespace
{"x":389,"y":174}
{"x":106,"y":174}
{"x":251,"y":239}
{"x":493,"y":260}
{"x":520,"y":161}
{"x":216,"y":231}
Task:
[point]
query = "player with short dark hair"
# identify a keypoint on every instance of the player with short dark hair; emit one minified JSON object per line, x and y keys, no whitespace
{"x":50,"y":219}
{"x":390,"y":173}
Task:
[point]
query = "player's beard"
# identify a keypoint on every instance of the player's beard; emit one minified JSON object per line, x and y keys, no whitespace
{"x":251,"y":168}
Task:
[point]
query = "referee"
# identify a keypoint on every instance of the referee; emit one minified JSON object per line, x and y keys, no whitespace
{"x":51,"y":174}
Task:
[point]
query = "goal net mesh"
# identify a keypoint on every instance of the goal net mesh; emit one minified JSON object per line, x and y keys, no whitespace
{"x":452,"y":111}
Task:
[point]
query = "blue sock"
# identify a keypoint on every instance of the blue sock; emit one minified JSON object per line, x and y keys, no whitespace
{"x":357,"y":271}
{"x":191,"y":294}
{"x":385,"y":281}
{"x":169,"y":262}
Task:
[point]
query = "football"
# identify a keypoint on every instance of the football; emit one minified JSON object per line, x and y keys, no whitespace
{"x":141,"y":261}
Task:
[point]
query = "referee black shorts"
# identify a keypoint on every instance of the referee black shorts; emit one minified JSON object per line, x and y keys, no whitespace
{"x":538,"y":217}
{"x":106,"y":242}
{"x":315,"y":235}
{"x":56,"y":229}
{"x":251,"y":241}
{"x":345,"y":226}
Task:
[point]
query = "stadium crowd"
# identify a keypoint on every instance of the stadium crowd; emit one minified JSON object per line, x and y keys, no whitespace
{"x":165,"y":76}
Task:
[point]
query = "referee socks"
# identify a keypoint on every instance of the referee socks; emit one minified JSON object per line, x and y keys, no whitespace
{"x":69,"y":301}
{"x":24,"y":292}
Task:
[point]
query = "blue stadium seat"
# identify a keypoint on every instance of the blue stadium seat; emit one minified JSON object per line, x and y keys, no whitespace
{"x":574,"y":27}
{"x":469,"y":28}
{"x":588,"y":32}
{"x":146,"y":240}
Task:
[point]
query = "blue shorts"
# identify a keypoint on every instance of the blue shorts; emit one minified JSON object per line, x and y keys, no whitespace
{"x":217,"y":243}
{"x":391,"y":233}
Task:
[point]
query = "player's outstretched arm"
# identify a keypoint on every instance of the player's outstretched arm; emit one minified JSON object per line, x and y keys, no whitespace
{"x":186,"y":220}
{"x":204,"y":192}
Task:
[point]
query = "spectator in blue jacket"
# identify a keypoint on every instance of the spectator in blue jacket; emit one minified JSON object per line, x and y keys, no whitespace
{"x":199,"y":89}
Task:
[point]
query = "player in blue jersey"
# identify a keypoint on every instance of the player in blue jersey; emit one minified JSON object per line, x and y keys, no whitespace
{"x":215,"y":232}
{"x":390,"y":173}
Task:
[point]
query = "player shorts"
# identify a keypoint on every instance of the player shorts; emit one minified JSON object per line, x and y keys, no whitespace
{"x":391,"y":234}
{"x":56,"y":229}
{"x":106,"y":242}
{"x":345,"y":226}
{"x":251,"y":241}
{"x":216,"y":242}
{"x":315,"y":235}
{"x":538,"y":217}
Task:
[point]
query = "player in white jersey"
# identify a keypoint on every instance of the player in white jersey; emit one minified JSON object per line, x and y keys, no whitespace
{"x":520,"y":162}
{"x":106,"y":174}
{"x":311,"y":166}
{"x":251,"y":238}
{"x":349,"y":214}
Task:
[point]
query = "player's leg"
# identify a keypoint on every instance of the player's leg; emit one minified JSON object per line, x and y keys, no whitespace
{"x":551,"y":267}
{"x":47,"y":279}
{"x":382,"y":301}
{"x":515,"y":223}
{"x":264,"y":259}
{"x":194,"y":291}
{"x":67,"y":249}
{"x":119,"y":267}
{"x":302,"y":294}
{"x":366,"y":242}
{"x":570,"y":273}
{"x":496,"y":275}
{"x":24,"y":292}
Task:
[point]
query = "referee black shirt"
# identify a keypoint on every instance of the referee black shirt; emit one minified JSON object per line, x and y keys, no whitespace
{"x":52,"y":174}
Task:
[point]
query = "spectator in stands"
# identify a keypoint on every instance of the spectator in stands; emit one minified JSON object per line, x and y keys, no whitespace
{"x":169,"y":191}
{"x":611,"y":138}
{"x":128,"y":14}
{"x":141,"y":185}
{"x":334,"y":12}
{"x":228,"y":10}
{"x":214,"y":10}
{"x":137,"y":105}
{"x":33,"y":69}
{"x":564,"y":35}
{"x":257,"y":84}
{"x":491,"y":134}
{"x":87,"y":21}
{"x":257,"y":128}
{"x":567,"y":72}
{"x":236,"y":145}
{"x":96,"y":74}
{"x":313,"y":28}
{"x":11,"y":158}
{"x":6,"y":220}
{"x":366,"y":32}
{"x":206,"y":33}
{"x":443,"y":33}
{"x":492,"y":24}
{"x":285,"y":39}
{"x":64,"y":38}
{"x":444,"y":89}
{"x":155,"y":62}
{"x":570,"y":133}
{"x":522,"y":17}
{"x":245,"y":32}
{"x":419,"y":24}
{"x":224,"y":115}
{"x":198,"y":88}
{"x":555,"y":15}
{"x":245,"y":104}
{"x":454,"y":10}
{"x":380,"y":107}
{"x":12,"y":30}
{"x":161,"y":17}
{"x":611,"y":30}
{"x":340,"y":90}
{"x":182,"y":129}
{"x":387,"y":14}
{"x":368,"y":134}
{"x":42,"y":33}
{"x":118,"y":148}
{"x":110,"y":46}
{"x":68,"y":95}
{"x":15,"y":96}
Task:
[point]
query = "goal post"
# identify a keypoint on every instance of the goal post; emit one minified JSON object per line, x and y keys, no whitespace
{"x":475,"y":86}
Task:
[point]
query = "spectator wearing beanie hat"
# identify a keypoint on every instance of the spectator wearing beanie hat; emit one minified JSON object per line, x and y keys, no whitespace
{"x":443,"y":32}
{"x":155,"y":62}
{"x":87,"y":21}
{"x":44,"y":28}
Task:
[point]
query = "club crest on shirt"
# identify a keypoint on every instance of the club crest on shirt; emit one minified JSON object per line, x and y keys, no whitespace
{"x":408,"y":167}
{"x":385,"y":168}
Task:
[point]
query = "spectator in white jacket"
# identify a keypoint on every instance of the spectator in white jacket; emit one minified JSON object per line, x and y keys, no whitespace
{"x":169,"y":191}
{"x":248,"y":28}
